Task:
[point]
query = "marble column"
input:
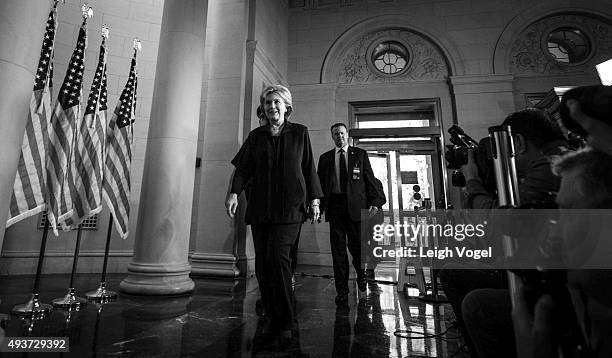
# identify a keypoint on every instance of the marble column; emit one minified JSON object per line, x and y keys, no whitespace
{"x":160,"y":264}
{"x":22,"y":26}
{"x":220,"y":242}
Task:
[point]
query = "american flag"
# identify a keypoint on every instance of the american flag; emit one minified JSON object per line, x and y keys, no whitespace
{"x":62,"y":132}
{"x":87,"y":164}
{"x":116,"y":189}
{"x":29,"y":188}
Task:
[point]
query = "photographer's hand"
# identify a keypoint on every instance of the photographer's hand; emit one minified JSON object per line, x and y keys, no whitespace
{"x":599,"y":133}
{"x":533,"y":332}
{"x":470,"y":170}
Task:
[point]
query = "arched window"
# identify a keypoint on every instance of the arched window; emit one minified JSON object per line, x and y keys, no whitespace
{"x":568,"y":45}
{"x":390,"y":57}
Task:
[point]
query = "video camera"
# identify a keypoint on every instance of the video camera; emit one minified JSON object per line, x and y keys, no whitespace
{"x":457,"y":156}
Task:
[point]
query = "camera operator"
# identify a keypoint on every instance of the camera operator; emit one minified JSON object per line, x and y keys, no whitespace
{"x":586,"y":183}
{"x":536,"y":139}
{"x":593,"y":127}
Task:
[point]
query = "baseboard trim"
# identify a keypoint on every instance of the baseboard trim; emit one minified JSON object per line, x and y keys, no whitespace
{"x":214,"y":265}
{"x":61,"y":263}
{"x":82,"y":253}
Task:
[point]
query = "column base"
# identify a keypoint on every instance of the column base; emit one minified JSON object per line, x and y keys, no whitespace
{"x":157,"y":279}
{"x":214,"y":265}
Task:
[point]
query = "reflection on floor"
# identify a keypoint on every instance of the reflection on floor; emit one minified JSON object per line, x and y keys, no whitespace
{"x":219,"y":320}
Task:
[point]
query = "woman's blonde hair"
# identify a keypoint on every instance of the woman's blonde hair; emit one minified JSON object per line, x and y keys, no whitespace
{"x":283,"y":92}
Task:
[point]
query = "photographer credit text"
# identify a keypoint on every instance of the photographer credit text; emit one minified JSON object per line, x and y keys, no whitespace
{"x":411,"y":232}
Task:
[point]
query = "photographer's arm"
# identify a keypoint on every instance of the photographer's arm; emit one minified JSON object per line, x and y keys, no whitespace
{"x":478,"y":196}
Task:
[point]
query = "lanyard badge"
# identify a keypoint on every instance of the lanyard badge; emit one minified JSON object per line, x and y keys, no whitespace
{"x":356,"y":173}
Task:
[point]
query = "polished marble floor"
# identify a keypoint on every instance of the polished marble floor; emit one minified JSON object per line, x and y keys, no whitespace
{"x":219,"y":320}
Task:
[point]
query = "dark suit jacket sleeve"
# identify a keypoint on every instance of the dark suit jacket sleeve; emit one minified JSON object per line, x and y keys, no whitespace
{"x":313,"y":186}
{"x":379,"y":198}
{"x":370,"y":181}
{"x":244,"y":167}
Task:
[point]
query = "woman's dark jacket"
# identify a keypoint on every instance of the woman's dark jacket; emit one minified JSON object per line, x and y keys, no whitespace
{"x":282,"y":172}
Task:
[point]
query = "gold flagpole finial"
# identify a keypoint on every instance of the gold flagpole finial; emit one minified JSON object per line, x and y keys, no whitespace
{"x":104,"y":32}
{"x":137,"y":44}
{"x":87,"y":11}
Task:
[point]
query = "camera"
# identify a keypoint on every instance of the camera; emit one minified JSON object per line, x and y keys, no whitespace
{"x":595,"y":101}
{"x":457,"y":156}
{"x":457,"y":153}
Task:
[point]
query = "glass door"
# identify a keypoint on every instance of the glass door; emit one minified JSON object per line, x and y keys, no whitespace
{"x":403,"y":139}
{"x":410,"y":174}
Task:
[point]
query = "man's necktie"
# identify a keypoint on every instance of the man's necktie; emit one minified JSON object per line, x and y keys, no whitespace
{"x":343,"y":173}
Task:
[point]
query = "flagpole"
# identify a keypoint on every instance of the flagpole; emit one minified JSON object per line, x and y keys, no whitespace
{"x":70,"y":300}
{"x":102,"y":294}
{"x":34,"y":307}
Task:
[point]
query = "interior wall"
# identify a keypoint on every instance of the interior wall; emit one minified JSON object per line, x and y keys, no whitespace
{"x":253,"y":43}
{"x":271,"y":33}
{"x":246,"y":50}
{"x":126,"y":20}
{"x":472,"y":34}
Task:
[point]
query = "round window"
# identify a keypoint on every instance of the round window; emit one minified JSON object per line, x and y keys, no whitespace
{"x":569,"y":45}
{"x":390,"y":57}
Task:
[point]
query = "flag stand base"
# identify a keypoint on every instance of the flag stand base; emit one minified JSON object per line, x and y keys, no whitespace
{"x":33,"y":308}
{"x":70,"y":301}
{"x":101,"y":294}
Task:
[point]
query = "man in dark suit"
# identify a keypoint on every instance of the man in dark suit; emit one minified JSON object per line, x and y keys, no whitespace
{"x":348,"y":185}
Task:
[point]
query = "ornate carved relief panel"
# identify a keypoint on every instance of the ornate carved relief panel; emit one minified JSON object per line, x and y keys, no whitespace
{"x":424,"y":61}
{"x":534,"y":50}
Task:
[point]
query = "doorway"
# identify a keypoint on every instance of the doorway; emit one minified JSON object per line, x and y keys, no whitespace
{"x":404,"y":144}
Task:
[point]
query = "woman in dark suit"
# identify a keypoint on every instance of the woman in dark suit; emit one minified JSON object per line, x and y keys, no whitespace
{"x":277,"y":159}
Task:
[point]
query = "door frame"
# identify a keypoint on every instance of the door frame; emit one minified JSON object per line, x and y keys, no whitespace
{"x":433,"y":146}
